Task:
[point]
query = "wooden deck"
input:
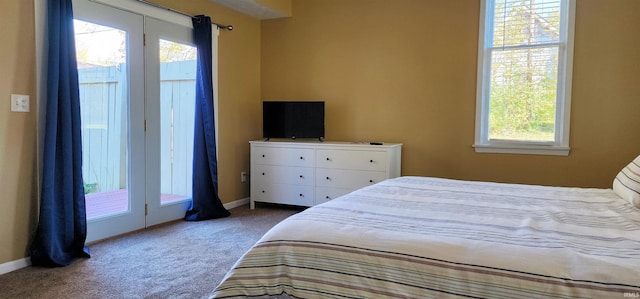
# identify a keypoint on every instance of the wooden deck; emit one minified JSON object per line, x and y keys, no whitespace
{"x":113,"y":202}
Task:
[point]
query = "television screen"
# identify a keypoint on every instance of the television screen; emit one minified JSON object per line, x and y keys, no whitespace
{"x":293,"y":119}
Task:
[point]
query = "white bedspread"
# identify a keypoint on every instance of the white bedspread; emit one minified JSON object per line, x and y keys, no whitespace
{"x":415,"y":237}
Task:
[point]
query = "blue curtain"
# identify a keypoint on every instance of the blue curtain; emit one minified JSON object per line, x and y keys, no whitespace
{"x":62,"y":227}
{"x":206,"y":202}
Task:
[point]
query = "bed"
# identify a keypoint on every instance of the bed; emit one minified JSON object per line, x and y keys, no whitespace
{"x":417,"y":237}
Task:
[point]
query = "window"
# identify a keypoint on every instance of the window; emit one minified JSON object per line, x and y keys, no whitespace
{"x":525,"y":57}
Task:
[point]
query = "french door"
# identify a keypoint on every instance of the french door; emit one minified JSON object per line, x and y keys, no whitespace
{"x":171,"y":86}
{"x":137,"y":94}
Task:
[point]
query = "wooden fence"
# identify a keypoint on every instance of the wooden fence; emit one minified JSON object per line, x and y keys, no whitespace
{"x":103,"y":105}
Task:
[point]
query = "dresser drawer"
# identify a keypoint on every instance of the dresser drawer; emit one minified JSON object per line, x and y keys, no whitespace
{"x":283,"y":156}
{"x":352,"y":159}
{"x":271,"y":174}
{"x":324,"y":194}
{"x":284,"y":194}
{"x":350,"y":179}
{"x":309,"y":173}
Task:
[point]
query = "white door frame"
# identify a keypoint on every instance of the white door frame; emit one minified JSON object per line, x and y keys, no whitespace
{"x":40,"y":13}
{"x":134,"y":218}
{"x":154,"y":31}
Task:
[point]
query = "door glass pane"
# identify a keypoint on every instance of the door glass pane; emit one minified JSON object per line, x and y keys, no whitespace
{"x":101,"y":55}
{"x":523,"y":94}
{"x":177,"y":109}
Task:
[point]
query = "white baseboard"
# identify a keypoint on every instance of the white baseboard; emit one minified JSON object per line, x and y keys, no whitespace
{"x":15,"y":265}
{"x":237,"y":203}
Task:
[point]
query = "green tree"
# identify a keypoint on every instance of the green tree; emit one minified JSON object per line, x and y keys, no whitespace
{"x":170,"y":52}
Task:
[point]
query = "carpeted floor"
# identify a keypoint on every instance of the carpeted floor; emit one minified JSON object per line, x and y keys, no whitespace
{"x":175,"y":260}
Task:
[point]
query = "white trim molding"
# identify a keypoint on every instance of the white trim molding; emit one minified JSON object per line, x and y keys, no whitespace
{"x":525,"y":149}
{"x":236,"y":203}
{"x":15,"y":265}
{"x":149,"y":11}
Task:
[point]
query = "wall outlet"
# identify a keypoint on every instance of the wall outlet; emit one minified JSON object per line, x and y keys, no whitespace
{"x":243,"y":177}
{"x":19,"y":103}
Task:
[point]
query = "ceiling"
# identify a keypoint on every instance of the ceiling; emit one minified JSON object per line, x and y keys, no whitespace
{"x":251,"y":8}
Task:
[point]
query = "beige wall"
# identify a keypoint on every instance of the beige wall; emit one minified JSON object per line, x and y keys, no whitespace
{"x":17,"y":130}
{"x":405,"y":71}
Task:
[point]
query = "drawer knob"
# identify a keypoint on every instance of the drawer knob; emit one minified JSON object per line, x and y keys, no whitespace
{"x":327,"y":197}
{"x":262,"y":191}
{"x":301,"y":158}
{"x":263,"y":156}
{"x":301,"y":195}
{"x":328,"y":178}
{"x":263,"y":173}
{"x":370,"y":161}
{"x":302,"y":177}
{"x":328,"y":159}
{"x":370,"y":181}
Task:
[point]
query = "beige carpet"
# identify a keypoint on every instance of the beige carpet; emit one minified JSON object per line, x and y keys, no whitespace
{"x":175,"y":260}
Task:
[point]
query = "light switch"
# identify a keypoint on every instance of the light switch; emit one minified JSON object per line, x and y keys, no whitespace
{"x":19,"y":103}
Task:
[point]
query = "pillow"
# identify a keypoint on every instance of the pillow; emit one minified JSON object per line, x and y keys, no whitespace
{"x":627,"y":183}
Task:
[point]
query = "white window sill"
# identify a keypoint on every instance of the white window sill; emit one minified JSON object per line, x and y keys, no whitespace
{"x":552,"y":150}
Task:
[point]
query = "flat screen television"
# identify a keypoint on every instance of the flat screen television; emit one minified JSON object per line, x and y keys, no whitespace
{"x":293,"y":119}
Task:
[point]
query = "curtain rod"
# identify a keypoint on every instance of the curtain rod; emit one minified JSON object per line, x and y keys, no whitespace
{"x":228,"y":27}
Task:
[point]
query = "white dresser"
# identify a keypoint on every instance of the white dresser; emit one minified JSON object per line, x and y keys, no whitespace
{"x":309,"y":173}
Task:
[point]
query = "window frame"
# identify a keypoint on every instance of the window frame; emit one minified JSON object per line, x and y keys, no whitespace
{"x":560,"y":146}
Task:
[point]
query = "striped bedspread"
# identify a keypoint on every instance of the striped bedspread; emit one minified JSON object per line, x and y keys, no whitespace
{"x":415,"y":237}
